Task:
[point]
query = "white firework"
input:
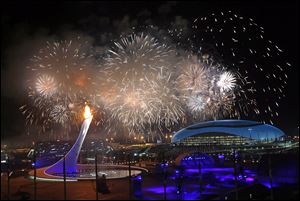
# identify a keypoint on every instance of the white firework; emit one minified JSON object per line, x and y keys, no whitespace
{"x":46,"y":85}
{"x":61,"y":75}
{"x":133,"y":59}
{"x":196,"y":103}
{"x":144,"y":85}
{"x":129,"y":108}
{"x":132,"y":86}
{"x":70,"y":65}
{"x":161,"y":95}
{"x":204,"y":87}
{"x":226,"y":82}
{"x":243,"y":44}
{"x":59,"y":114}
{"x":192,"y":77}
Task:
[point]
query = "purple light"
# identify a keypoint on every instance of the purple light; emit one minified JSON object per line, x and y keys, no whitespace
{"x":191,"y":170}
{"x":249,"y":179}
{"x":162,"y":165}
{"x":220,"y":156}
{"x":267,"y":184}
{"x":139,"y":178}
{"x":160,"y":189}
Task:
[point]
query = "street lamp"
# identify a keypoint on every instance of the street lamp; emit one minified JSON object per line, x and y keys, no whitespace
{"x":165,"y":170}
{"x":34,"y":168}
{"x":129,"y":172}
{"x":96,"y":171}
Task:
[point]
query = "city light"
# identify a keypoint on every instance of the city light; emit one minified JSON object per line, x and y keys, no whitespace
{"x":172,"y":100}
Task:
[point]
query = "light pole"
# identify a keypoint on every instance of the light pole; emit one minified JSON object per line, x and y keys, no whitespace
{"x":129,"y":171}
{"x":34,"y":169}
{"x":235,"y":175}
{"x":199,"y":170}
{"x":270,"y":176}
{"x":8,"y":179}
{"x":96,"y":171}
{"x":65,"y":181}
{"x":165,"y":181}
{"x":165,"y":166}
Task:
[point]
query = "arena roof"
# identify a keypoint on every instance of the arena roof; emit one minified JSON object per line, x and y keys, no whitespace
{"x":243,"y":128}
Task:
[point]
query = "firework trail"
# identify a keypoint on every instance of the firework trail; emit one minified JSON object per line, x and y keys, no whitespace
{"x":241,"y":44}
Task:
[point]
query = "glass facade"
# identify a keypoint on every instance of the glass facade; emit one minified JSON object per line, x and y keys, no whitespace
{"x":215,"y":139}
{"x":227,"y":132}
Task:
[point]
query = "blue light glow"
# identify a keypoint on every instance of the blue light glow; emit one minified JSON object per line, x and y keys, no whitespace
{"x":249,"y":129}
{"x":160,"y":189}
{"x":139,"y":178}
{"x":72,"y":156}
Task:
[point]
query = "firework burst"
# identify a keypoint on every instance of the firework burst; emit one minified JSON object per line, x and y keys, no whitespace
{"x":226,"y":81}
{"x":64,"y":68}
{"x":60,"y":82}
{"x":206,"y":89}
{"x":59,"y":114}
{"x":146,"y":86}
{"x":135,"y":91}
{"x":46,"y":86}
{"x":241,"y":44}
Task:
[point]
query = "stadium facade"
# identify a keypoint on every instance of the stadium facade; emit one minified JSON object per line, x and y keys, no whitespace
{"x":227,"y":132}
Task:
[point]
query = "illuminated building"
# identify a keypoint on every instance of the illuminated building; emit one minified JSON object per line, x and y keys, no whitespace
{"x":227,"y":132}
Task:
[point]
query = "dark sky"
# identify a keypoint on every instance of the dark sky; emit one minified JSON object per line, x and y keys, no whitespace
{"x":23,"y":25}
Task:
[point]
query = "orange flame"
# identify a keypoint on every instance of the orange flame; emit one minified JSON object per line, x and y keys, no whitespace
{"x":87,"y":112}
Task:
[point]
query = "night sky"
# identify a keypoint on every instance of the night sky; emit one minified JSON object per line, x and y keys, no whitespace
{"x":25,"y":25}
